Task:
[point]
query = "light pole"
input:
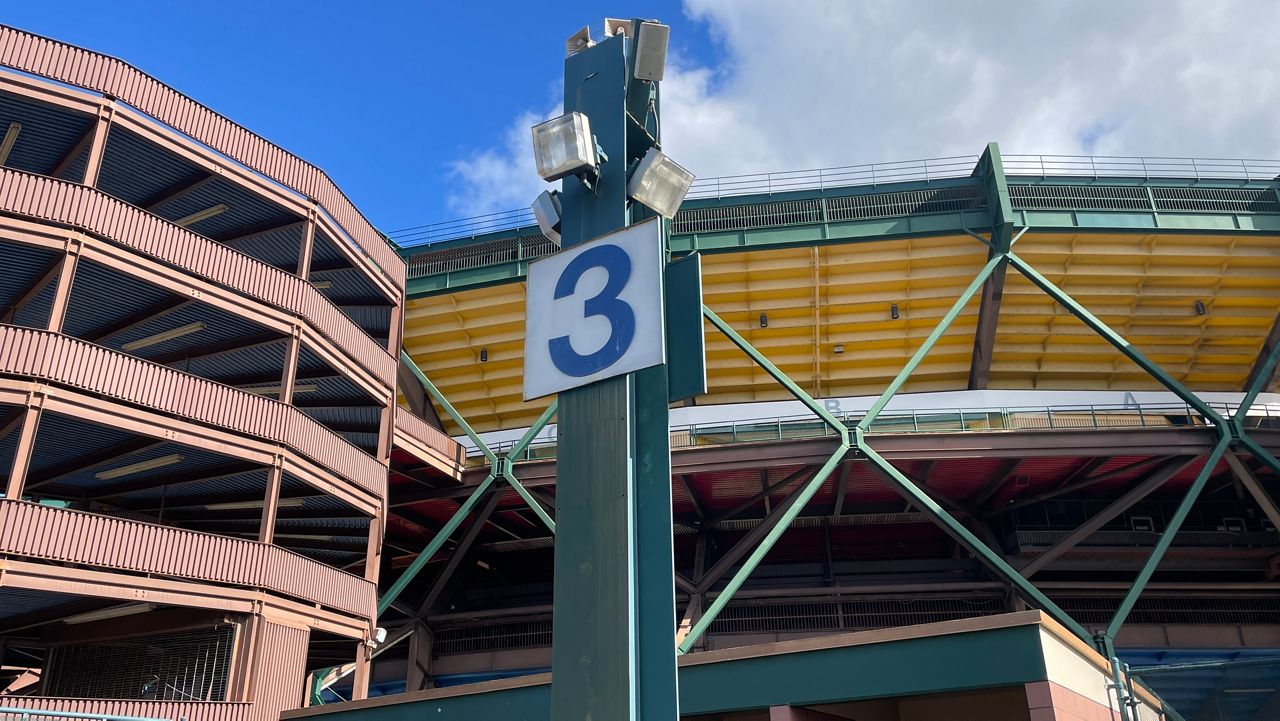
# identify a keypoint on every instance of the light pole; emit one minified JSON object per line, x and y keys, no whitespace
{"x":613,"y":654}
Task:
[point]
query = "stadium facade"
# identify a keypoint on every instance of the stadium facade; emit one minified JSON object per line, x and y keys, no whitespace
{"x":203,"y":343}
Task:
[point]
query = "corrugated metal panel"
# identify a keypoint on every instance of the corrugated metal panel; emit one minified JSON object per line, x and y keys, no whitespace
{"x":245,"y":211}
{"x":49,"y":58}
{"x":49,"y":199}
{"x":170,"y":710}
{"x":193,"y":460}
{"x":60,"y":439}
{"x":17,"y":601}
{"x":23,"y":266}
{"x":48,"y":133}
{"x":59,"y":534}
{"x":136,"y":171}
{"x":67,"y":361}
{"x":175,"y":494}
{"x":280,"y":670}
{"x":278,"y":248}
{"x":101,"y":296}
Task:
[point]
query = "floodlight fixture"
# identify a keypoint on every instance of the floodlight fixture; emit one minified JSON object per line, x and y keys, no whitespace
{"x":660,"y":183}
{"x":651,"y":51}
{"x":564,"y":146}
{"x":546,"y":209}
{"x":617,"y":26}
{"x":578,"y":42}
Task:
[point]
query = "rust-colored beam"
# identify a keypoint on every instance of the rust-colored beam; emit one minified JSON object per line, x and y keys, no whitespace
{"x":1008,"y":467}
{"x":984,"y":337}
{"x":762,"y":495}
{"x":1081,"y":484}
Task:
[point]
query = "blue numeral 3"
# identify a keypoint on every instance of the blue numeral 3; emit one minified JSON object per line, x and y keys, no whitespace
{"x":622,"y":319}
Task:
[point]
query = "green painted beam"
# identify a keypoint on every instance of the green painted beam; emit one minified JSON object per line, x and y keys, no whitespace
{"x":774,"y":372}
{"x":1010,"y":657}
{"x":896,"y":384}
{"x":1115,"y":339}
{"x":957,"y":530}
{"x":448,"y":407}
{"x":508,"y":473}
{"x":433,"y":546}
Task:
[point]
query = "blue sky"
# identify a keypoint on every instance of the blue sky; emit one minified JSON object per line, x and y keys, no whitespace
{"x":420,"y":110}
{"x":382,"y":95}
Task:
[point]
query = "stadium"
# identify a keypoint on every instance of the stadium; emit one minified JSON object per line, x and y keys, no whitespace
{"x":263,"y":456}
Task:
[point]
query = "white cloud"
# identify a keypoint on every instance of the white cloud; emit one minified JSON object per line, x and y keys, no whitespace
{"x":814,"y":83}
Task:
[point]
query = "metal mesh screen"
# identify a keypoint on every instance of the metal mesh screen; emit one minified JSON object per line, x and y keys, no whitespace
{"x":1073,"y":197}
{"x":911,"y":202}
{"x":1131,"y":197}
{"x":1217,"y":200}
{"x":1176,"y":610}
{"x":187,"y":666}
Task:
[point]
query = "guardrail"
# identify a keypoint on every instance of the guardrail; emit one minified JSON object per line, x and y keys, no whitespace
{"x":59,"y":201}
{"x":67,"y":361}
{"x":1084,"y":417}
{"x":873,"y":174}
{"x":59,"y":534}
{"x":26,"y":713}
{"x":1148,"y":167}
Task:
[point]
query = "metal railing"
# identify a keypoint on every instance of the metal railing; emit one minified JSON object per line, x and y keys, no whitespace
{"x":873,"y":174}
{"x":26,"y":713}
{"x":960,"y":420}
{"x":1117,"y":166}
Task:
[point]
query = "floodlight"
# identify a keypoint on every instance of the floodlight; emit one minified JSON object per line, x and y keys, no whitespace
{"x":578,"y":41}
{"x":617,"y":26}
{"x":564,"y":146}
{"x":651,"y":51}
{"x":660,"y":183}
{"x":546,"y":208}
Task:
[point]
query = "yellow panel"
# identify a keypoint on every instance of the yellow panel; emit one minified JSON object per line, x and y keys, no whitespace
{"x":1144,"y":285}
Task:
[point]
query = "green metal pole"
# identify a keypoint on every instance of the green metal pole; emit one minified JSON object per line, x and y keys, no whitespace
{"x":1115,"y":339}
{"x":974,"y":286}
{"x":1166,"y":538}
{"x":614,"y":617}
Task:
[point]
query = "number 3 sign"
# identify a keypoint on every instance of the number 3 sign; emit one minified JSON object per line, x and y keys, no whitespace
{"x":594,"y":311}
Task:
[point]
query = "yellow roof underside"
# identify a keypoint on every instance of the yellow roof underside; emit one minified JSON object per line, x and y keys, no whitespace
{"x":1142,"y":285}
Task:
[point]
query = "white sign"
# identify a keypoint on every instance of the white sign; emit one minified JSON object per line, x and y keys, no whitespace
{"x":594,"y":311}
